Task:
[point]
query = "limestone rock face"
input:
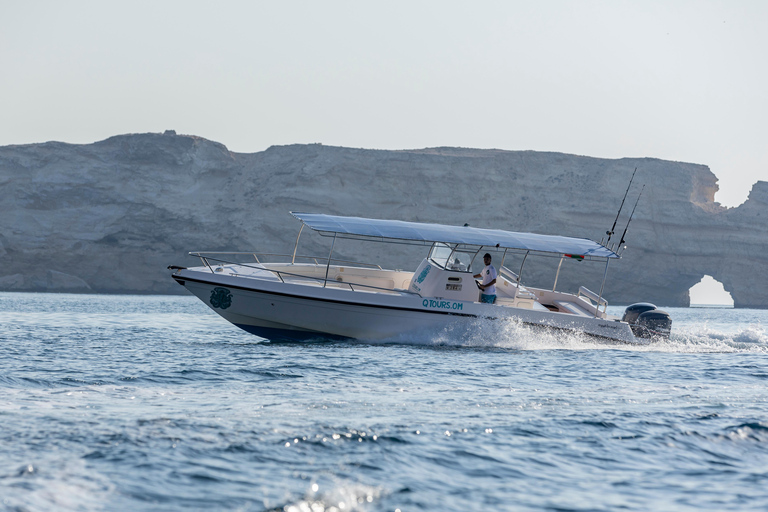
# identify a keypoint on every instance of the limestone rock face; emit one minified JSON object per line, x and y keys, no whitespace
{"x":111,"y":216}
{"x":44,"y":281}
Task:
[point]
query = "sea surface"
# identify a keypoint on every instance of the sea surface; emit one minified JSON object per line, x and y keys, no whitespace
{"x":155,"y":403}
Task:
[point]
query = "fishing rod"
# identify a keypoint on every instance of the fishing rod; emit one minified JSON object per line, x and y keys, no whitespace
{"x":611,"y":232}
{"x":630,"y":217}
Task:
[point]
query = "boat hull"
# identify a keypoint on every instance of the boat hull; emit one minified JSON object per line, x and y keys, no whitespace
{"x":282,"y":311}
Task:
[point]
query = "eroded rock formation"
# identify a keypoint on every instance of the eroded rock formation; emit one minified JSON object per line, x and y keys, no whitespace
{"x":110,"y":216}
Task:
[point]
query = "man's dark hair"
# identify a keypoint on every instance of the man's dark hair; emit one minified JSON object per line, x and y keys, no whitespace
{"x":487,"y":255}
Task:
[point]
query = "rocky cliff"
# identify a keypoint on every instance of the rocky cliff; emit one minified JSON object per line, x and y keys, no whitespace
{"x":110,"y":216}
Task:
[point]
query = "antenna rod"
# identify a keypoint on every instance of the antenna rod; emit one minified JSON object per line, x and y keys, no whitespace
{"x":610,"y":233}
{"x":630,"y":217}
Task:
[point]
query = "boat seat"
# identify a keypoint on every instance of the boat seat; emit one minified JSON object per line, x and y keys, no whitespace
{"x":524,"y":293}
{"x":572,"y":307}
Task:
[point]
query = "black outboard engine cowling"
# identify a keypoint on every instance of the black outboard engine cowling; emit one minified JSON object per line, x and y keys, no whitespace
{"x":653,"y":323}
{"x":646,"y":321}
{"x":633,"y":311}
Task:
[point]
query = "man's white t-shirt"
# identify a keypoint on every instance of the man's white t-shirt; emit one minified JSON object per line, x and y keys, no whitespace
{"x":489,"y":274}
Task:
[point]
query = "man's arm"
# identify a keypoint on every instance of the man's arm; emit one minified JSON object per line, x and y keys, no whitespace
{"x":484,"y":286}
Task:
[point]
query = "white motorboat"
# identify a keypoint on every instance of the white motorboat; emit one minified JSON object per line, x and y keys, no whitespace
{"x":286,"y":299}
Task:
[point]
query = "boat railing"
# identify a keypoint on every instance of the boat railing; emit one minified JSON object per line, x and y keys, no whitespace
{"x":207,"y":258}
{"x":586,"y":292}
{"x":314,"y":259}
{"x":509,"y":274}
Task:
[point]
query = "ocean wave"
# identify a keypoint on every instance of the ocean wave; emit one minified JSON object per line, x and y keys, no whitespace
{"x":748,"y":432}
{"x":55,"y":485}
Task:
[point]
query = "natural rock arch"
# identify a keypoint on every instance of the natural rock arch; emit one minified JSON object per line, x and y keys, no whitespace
{"x":710,"y":291}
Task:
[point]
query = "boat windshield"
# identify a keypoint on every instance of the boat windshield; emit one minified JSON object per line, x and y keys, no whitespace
{"x":445,"y":256}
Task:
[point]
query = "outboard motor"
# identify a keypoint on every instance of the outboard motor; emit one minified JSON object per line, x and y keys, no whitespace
{"x":646,"y":321}
{"x":633,"y":311}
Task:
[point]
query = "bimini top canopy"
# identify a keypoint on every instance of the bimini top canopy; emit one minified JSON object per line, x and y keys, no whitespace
{"x":379,"y":229}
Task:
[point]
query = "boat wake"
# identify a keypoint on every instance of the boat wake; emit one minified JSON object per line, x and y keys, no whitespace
{"x":752,"y":339}
{"x":514,"y":335}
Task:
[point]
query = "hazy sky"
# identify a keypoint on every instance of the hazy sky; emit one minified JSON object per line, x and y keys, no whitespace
{"x":678,"y":80}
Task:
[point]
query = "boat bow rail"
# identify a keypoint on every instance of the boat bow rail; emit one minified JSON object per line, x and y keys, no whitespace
{"x":205,"y":256}
{"x":216,"y":263}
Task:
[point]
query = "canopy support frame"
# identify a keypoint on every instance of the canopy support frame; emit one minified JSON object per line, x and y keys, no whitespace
{"x":520,"y":275}
{"x":475,"y":255}
{"x":602,"y":285}
{"x":502,"y":258}
{"x":328,"y":266}
{"x":295,"y":247}
{"x":557,"y":275}
{"x":420,"y":233}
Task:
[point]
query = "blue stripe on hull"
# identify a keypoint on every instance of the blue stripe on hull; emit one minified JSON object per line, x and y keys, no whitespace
{"x":273,"y":334}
